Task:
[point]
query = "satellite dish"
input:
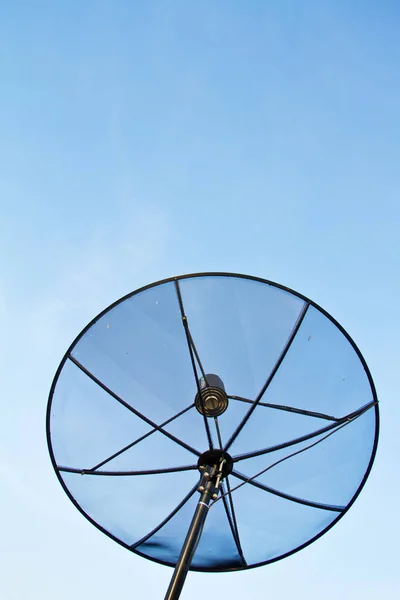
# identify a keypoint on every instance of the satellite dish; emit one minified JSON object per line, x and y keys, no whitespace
{"x":223,"y":385}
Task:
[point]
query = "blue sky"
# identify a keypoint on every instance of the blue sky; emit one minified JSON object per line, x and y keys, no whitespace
{"x":141,"y":140}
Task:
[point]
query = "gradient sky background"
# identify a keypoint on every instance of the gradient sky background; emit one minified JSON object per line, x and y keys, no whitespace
{"x":140,"y":140}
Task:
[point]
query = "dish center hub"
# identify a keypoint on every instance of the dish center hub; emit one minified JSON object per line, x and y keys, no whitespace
{"x":216,"y":458}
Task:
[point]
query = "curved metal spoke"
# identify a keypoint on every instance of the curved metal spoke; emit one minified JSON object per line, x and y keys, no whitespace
{"x":250,"y":480}
{"x":218,"y":432}
{"x":127,"y":473}
{"x":271,"y":375}
{"x":168,"y":518}
{"x":292,"y":409}
{"x":334,"y":426}
{"x":229,"y":508}
{"x":140,"y":439}
{"x":266,"y":488}
{"x":130,"y":408}
{"x":193,"y":352}
{"x":230,"y":513}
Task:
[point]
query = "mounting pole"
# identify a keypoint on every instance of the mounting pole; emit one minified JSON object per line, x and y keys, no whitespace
{"x":208,"y":487}
{"x":189,"y":547}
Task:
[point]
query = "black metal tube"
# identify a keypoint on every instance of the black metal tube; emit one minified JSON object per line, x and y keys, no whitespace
{"x":189,"y":548}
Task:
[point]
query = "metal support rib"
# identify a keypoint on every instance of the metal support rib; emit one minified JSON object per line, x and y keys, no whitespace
{"x":271,"y":375}
{"x":229,"y":509}
{"x":193,"y":352}
{"x":129,"y":407}
{"x":126,"y":473}
{"x":333,"y":426}
{"x":182,"y":503}
{"x":291,"y":409}
{"x":231,"y":515}
{"x":266,"y":488}
{"x":140,"y":439}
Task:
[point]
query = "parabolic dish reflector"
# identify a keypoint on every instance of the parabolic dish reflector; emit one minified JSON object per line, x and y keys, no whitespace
{"x":126,"y":425}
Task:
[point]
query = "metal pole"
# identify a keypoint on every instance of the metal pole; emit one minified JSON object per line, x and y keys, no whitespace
{"x":189,"y":547}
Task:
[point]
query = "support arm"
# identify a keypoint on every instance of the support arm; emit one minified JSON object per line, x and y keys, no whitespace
{"x":208,"y":488}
